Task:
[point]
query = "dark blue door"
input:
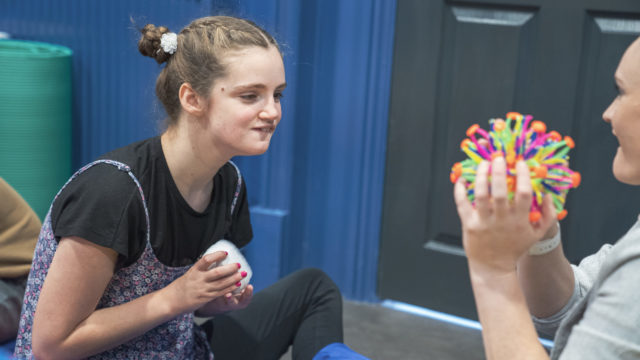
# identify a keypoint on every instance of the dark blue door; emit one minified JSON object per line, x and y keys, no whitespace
{"x":456,"y":64}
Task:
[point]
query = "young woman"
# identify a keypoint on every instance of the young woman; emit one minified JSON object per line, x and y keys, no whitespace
{"x":118,"y":272}
{"x":593,"y":306}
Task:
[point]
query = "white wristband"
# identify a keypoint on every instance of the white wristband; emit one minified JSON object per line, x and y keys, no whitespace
{"x":545,"y":246}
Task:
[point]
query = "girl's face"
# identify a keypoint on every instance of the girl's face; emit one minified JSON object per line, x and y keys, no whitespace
{"x":624,"y":116}
{"x":244,"y":106}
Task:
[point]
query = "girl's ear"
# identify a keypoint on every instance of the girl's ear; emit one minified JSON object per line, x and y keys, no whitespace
{"x":191,"y":102}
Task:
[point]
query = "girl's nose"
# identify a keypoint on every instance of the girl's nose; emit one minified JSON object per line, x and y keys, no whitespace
{"x":271,"y":111}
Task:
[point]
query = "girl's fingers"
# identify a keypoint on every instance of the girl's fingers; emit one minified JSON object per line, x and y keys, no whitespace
{"x":523,"y":187}
{"x":229,"y":289}
{"x":247,"y":294}
{"x":224,"y":286}
{"x":231,"y":300}
{"x":222,"y":276}
{"x":499,"y":186}
{"x":483,"y":201}
{"x":206,"y":261}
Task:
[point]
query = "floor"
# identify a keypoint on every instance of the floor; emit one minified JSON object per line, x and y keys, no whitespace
{"x":381,"y":333}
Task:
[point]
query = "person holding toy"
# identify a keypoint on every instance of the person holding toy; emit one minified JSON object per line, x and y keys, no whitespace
{"x":119,"y":270}
{"x":517,"y":266}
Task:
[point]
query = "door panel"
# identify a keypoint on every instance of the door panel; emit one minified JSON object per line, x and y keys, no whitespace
{"x":479,"y":73}
{"x":604,"y":207}
{"x":456,"y":64}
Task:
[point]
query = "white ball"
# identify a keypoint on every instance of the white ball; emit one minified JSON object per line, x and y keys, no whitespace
{"x":235,"y":256}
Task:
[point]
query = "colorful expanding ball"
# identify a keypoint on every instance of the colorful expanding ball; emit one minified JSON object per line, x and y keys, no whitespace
{"x":521,"y":138}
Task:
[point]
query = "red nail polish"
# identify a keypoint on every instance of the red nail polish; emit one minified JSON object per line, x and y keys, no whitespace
{"x":244,"y":274}
{"x":226,"y":253}
{"x":238,"y":265}
{"x":238,"y":284}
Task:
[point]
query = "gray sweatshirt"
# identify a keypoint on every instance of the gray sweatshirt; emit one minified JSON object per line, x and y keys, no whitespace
{"x":602,"y":319}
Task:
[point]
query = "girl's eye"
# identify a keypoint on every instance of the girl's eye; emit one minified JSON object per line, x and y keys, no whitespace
{"x":249,"y":97}
{"x":278,"y":96}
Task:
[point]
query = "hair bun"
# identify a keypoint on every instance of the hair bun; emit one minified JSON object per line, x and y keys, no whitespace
{"x":149,"y":43}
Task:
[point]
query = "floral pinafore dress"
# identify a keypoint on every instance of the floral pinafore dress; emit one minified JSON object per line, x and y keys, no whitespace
{"x":179,"y":338}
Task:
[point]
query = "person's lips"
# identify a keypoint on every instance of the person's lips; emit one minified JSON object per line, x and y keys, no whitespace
{"x":265,"y":129}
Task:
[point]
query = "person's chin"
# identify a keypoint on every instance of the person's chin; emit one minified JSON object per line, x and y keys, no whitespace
{"x":624,"y":172}
{"x":257,"y":150}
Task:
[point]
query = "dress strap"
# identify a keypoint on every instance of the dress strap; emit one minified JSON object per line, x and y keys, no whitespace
{"x":238,"y":187}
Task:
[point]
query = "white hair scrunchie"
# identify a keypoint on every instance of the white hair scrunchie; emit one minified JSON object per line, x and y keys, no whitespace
{"x":169,"y":42}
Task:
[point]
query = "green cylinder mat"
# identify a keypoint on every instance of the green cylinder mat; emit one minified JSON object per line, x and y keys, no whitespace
{"x":35,"y":119}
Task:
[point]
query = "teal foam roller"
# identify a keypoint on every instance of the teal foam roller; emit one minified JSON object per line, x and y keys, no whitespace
{"x":35,"y":119}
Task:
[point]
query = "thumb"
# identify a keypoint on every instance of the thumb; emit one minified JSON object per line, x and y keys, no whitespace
{"x":246,"y":295}
{"x":210,"y":259}
{"x":248,"y":292}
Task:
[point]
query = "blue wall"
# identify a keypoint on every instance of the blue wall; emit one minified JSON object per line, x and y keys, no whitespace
{"x":316,"y":195}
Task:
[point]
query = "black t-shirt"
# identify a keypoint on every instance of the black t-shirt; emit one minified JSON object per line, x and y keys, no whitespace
{"x":103,"y":205}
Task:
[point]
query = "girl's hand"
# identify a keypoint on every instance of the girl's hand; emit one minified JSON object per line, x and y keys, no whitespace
{"x":200,"y":285}
{"x":226,"y":303}
{"x":497,"y":231}
{"x":238,"y":301}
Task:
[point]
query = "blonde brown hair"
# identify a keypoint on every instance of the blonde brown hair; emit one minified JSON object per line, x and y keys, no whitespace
{"x":198,"y":60}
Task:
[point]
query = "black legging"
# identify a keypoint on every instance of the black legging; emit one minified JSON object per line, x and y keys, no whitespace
{"x":11,"y":295}
{"x":303,"y":309}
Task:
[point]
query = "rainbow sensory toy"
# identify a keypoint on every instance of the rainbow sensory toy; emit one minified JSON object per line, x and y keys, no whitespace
{"x":518,"y":137}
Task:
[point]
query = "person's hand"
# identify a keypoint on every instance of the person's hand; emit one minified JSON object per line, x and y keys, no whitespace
{"x":554,"y":228}
{"x":497,"y":231}
{"x":552,"y":231}
{"x":228,"y":302}
{"x":200,"y":285}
